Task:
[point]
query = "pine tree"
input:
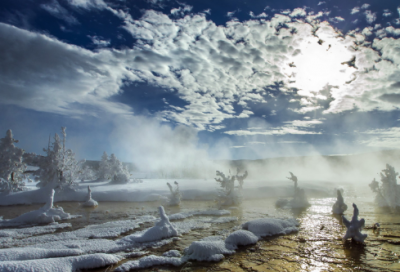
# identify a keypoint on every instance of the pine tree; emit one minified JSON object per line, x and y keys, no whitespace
{"x":11,"y":165}
{"x":59,"y":167}
{"x":104,"y":167}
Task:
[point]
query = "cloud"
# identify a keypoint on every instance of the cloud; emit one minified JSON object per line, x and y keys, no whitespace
{"x":43,"y":74}
{"x":261,"y":15}
{"x":370,"y":16}
{"x":298,"y":12}
{"x":386,"y":13}
{"x":88,"y":4}
{"x":355,"y":10}
{"x":383,"y":138}
{"x":260,"y":127}
{"x":365,"y":6}
{"x":55,"y":9}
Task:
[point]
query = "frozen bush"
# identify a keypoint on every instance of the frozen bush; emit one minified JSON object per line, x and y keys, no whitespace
{"x":175,"y":197}
{"x":388,"y":192}
{"x":227,"y":195}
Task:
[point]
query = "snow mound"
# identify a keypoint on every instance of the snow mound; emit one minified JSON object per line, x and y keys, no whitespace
{"x":205,"y":250}
{"x":30,"y":253}
{"x":172,"y":253}
{"x":61,"y":264}
{"x":271,"y":226}
{"x":162,"y":229}
{"x":45,"y":215}
{"x":89,"y":201}
{"x":241,"y":238}
{"x":149,"y":261}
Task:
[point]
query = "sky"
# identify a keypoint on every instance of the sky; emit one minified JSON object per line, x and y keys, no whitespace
{"x":179,"y":80}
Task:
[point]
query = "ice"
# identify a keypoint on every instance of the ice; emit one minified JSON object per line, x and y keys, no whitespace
{"x":89,"y":201}
{"x":354,"y":227}
{"x":27,"y":232}
{"x":241,"y":238}
{"x":162,"y":229}
{"x":271,"y":226}
{"x":65,"y":264}
{"x":172,"y":253}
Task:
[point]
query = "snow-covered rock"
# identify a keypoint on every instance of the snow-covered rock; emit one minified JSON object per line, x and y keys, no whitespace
{"x":46,"y":214}
{"x":241,"y":238}
{"x":271,"y":226}
{"x":162,"y":229}
{"x":31,"y":253}
{"x":207,"y":250}
{"x":354,"y":227}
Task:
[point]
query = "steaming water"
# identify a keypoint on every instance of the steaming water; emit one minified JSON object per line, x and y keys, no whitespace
{"x":316,"y":247}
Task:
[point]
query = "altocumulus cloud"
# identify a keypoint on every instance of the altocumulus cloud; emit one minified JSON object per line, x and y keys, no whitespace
{"x":213,"y":68}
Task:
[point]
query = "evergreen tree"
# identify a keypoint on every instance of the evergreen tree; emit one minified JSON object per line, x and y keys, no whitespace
{"x":104,"y":167}
{"x":11,"y":165}
{"x":59,"y":167}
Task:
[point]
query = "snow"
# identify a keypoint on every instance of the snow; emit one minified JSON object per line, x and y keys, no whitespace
{"x":65,"y":264}
{"x":149,"y":261}
{"x":46,"y":214}
{"x":207,"y":251}
{"x":271,"y":226}
{"x":183,"y":215}
{"x":21,"y":254}
{"x":241,"y":238}
{"x":162,"y":229}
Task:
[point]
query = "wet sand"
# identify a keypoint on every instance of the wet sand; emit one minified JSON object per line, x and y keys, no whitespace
{"x":316,"y":247}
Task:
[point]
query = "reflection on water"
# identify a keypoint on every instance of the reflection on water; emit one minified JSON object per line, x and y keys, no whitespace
{"x":318,"y":246}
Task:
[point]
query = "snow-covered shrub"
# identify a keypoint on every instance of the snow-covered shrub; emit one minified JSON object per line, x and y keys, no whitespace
{"x":88,"y":173}
{"x":175,"y":197}
{"x":89,"y":201}
{"x":354,"y":227}
{"x":388,"y":192}
{"x":59,"y":168}
{"x":339,"y":207}
{"x":227,"y":195}
{"x":11,"y":165}
{"x":112,"y":168}
{"x":104,"y":167}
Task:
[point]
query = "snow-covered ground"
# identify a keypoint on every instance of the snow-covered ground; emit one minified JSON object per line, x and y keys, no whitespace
{"x":156,"y":190}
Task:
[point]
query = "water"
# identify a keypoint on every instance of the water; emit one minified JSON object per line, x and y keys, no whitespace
{"x":318,"y":245}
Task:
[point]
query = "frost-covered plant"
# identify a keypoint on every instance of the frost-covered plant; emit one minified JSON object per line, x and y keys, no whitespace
{"x":175,"y":197}
{"x":299,"y":198}
{"x":87,"y":173}
{"x":354,"y":227}
{"x":112,"y":168}
{"x":388,"y":192}
{"x":241,"y":178}
{"x":11,"y":165}
{"x":339,"y":207}
{"x":227,"y":195}
{"x":58,"y":168}
{"x":104,"y":167}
